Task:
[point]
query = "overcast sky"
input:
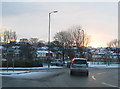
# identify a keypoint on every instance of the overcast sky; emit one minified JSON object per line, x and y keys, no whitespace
{"x":30,"y":19}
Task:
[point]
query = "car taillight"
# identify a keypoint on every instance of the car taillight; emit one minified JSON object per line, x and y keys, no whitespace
{"x":73,"y":61}
{"x":86,"y":63}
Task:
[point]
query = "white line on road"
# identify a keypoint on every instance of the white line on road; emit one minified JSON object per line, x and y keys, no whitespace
{"x":101,"y":73}
{"x":110,"y":85}
{"x":93,"y":77}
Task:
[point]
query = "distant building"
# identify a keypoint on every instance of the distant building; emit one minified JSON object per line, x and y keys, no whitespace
{"x":43,"y":48}
{"x":103,"y":55}
{"x":43,"y":55}
{"x":25,"y":40}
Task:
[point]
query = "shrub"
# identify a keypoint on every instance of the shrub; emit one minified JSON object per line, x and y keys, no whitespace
{"x":21,"y":63}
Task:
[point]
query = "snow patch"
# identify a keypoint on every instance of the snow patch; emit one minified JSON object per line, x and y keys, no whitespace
{"x":101,"y":65}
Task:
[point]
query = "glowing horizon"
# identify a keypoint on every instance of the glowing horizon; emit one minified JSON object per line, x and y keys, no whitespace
{"x":96,"y":44}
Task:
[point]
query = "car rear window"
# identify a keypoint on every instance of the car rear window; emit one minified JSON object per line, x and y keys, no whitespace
{"x":58,"y":60}
{"x":80,"y":62}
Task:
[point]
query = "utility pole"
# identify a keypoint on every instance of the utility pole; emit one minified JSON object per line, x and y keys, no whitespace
{"x":49,"y":39}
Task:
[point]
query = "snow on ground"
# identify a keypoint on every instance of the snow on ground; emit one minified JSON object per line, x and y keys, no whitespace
{"x":12,"y":72}
{"x":100,"y":65}
{"x":29,"y":75}
{"x":44,"y":67}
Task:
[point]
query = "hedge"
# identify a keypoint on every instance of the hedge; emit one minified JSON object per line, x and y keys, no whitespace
{"x":21,"y":63}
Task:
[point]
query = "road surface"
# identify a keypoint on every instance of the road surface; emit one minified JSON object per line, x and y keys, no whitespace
{"x":97,"y":78}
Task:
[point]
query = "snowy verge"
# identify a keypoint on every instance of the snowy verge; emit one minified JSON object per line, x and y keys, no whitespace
{"x":12,"y":72}
{"x":31,"y":75}
{"x":90,"y":64}
{"x":29,"y":68}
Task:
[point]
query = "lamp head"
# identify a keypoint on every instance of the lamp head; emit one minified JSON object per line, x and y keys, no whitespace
{"x":55,"y":11}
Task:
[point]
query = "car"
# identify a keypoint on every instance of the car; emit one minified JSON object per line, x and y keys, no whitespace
{"x":79,"y":65}
{"x":57,"y":62}
{"x":3,"y":60}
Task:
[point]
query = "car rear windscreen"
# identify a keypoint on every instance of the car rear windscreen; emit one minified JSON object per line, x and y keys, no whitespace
{"x":80,"y":62}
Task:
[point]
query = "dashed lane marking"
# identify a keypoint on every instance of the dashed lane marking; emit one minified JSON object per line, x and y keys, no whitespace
{"x":93,"y":77}
{"x":101,"y":73}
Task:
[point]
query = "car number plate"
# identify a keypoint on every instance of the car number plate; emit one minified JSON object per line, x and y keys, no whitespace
{"x":79,"y":66}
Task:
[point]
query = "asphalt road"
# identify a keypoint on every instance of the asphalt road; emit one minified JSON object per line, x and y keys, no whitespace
{"x":62,"y":78}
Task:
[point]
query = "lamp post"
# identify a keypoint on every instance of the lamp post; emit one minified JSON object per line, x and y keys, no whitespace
{"x":49,"y":39}
{"x":83,"y":43}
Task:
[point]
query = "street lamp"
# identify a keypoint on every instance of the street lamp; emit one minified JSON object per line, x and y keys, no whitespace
{"x":49,"y":38}
{"x":83,"y":43}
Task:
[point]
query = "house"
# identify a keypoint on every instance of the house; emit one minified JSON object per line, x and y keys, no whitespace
{"x":103,"y":55}
{"x":43,"y":55}
{"x":43,"y":48}
{"x":23,"y":41}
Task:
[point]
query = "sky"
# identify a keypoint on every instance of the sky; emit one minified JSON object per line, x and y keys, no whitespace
{"x":99,"y":20}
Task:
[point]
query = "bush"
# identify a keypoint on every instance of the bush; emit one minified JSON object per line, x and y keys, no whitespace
{"x":21,"y":63}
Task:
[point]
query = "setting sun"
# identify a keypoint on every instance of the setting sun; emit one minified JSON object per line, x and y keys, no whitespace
{"x":96,"y":44}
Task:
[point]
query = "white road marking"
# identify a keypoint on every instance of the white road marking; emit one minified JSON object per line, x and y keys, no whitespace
{"x":109,"y":85}
{"x":101,"y":73}
{"x":93,"y":77}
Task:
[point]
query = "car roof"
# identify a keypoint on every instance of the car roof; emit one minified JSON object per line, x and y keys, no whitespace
{"x":79,"y":58}
{"x":57,"y":59}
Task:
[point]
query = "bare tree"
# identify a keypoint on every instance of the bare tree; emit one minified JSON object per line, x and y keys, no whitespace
{"x":79,"y":38}
{"x":7,"y":35}
{"x":33,"y":40}
{"x":74,"y":36}
{"x":86,"y":40}
{"x":64,"y":38}
{"x":119,"y":43}
{"x":113,"y":43}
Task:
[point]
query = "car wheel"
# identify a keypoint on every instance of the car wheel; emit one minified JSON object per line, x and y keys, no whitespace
{"x":87,"y":73}
{"x":71,"y":72}
{"x":67,"y":66}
